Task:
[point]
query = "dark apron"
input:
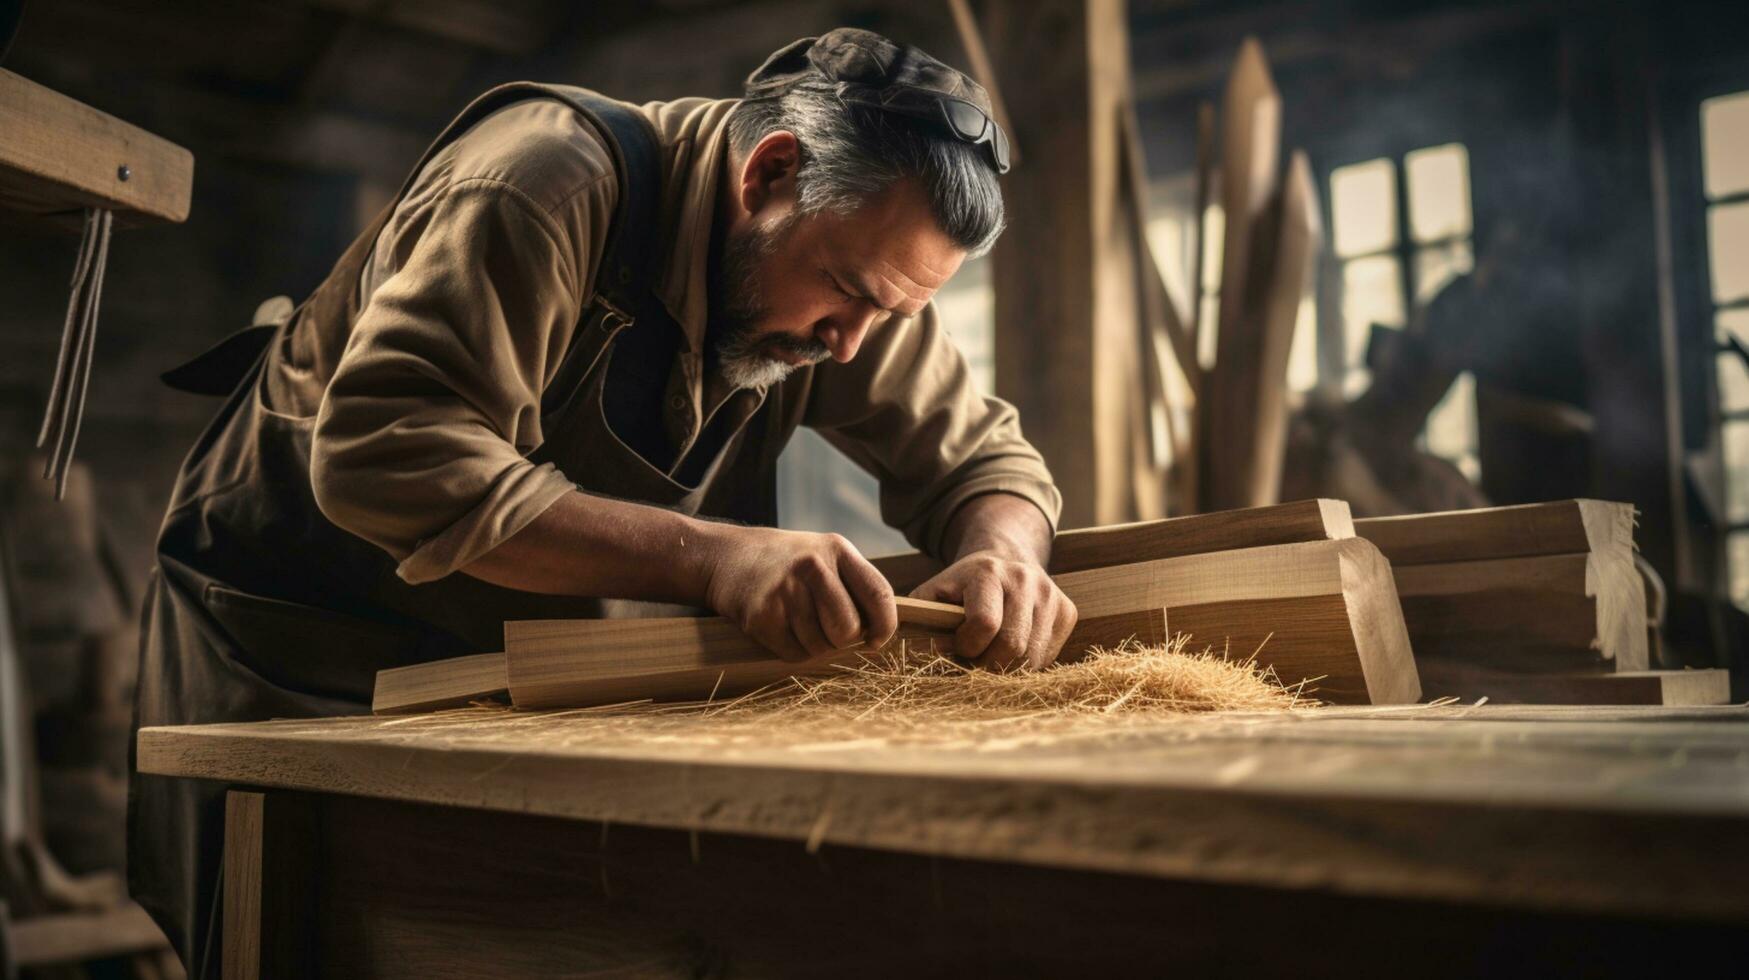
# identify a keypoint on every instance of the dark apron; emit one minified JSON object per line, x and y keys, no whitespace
{"x":260,"y":608}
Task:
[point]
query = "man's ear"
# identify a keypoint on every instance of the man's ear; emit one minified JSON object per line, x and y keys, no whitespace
{"x":769,"y":175}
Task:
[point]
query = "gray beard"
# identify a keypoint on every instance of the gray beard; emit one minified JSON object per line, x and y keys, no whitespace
{"x":743,"y":356}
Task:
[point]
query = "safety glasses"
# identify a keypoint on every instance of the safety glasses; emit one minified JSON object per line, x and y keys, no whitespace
{"x":965,"y":121}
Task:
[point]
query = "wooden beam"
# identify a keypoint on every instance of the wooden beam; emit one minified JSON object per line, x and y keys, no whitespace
{"x":60,"y":155}
{"x":1441,"y":679}
{"x":1250,"y":167}
{"x":1558,"y":527}
{"x":1549,"y":586}
{"x":1172,"y":537}
{"x":1325,"y":612}
{"x":1064,"y":274}
{"x":582,"y":662}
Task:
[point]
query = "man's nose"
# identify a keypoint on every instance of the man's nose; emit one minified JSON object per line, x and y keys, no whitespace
{"x":844,"y":336}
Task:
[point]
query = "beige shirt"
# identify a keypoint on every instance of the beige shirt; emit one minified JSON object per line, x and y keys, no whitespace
{"x":429,"y":408}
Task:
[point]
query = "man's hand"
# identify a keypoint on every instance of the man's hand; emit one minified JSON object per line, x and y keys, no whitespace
{"x":1015,"y":615}
{"x":800,"y":595}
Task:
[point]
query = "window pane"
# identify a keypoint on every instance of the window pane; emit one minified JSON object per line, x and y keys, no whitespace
{"x":1169,"y":237}
{"x":1363,"y":204}
{"x":1724,"y":126}
{"x":967,"y":305}
{"x":1439,"y":192}
{"x":1737,"y":559}
{"x":1736,"y":438}
{"x":1733,"y":375}
{"x":1451,"y":427}
{"x":1372,"y":292}
{"x":1438,"y":265}
{"x":1728,"y":228}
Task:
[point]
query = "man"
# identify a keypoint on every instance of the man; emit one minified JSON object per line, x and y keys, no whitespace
{"x":554,"y":379}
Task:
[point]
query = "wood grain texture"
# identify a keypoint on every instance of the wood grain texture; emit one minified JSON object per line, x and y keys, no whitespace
{"x":1554,"y":528}
{"x":1173,"y":537}
{"x":1631,"y":811}
{"x":1568,"y":611}
{"x":451,"y":683}
{"x":582,"y":662}
{"x":445,"y":893}
{"x":1347,"y":633}
{"x":1146,"y":626}
{"x":270,"y":843}
{"x":60,"y":155}
{"x":1250,"y":181}
{"x":1443,"y":678}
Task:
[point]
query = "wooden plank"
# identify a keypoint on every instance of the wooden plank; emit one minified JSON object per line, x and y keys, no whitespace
{"x":1172,"y":537}
{"x":1555,"y":528}
{"x":1146,"y":626}
{"x":1570,"y":612}
{"x":80,"y":937}
{"x":270,"y":844}
{"x":1467,"y":682}
{"x":1324,"y":612}
{"x":452,"y":683}
{"x":1625,"y":810}
{"x":60,"y":155}
{"x":1549,"y":586}
{"x":581,"y":662}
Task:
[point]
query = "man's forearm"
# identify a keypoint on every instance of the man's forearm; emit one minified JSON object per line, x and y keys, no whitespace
{"x":1011,"y":526}
{"x":600,"y":546}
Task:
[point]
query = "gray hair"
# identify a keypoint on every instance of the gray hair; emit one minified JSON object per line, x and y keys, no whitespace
{"x":850,"y":153}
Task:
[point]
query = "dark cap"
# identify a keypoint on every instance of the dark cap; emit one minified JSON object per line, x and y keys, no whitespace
{"x":871,"y":70}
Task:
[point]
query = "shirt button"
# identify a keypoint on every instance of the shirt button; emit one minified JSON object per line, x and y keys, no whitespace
{"x":677,"y":403}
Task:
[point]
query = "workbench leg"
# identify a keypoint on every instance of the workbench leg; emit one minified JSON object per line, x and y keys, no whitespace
{"x":270,"y":848}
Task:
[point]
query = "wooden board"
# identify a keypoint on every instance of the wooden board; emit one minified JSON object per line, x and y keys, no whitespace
{"x":1250,"y":169}
{"x":1173,"y":537}
{"x":266,"y":878}
{"x":452,"y":683}
{"x":1441,"y":679}
{"x":1324,"y":611}
{"x":1555,"y":528}
{"x":60,"y":156}
{"x":66,"y":938}
{"x":1549,"y":586}
{"x":1625,"y":810}
{"x":582,"y":662}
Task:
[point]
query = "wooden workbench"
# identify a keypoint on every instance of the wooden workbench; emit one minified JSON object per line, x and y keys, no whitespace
{"x":1434,"y":840}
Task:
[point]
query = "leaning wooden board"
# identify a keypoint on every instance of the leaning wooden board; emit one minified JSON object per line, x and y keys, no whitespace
{"x":1536,"y":587}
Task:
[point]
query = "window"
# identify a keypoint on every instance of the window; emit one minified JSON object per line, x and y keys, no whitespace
{"x":1724,"y":124}
{"x":1398,"y":248}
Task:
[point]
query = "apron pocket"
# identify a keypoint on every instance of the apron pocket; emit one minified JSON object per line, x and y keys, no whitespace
{"x":308,"y":649}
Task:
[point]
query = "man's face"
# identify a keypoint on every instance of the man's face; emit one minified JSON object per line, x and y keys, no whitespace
{"x":795,"y":290}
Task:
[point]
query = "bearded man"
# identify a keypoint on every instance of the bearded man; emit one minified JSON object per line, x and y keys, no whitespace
{"x":553,"y":379}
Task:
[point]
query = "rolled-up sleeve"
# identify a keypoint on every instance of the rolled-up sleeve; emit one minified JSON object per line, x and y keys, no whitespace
{"x":421,"y":440}
{"x":905,"y":409}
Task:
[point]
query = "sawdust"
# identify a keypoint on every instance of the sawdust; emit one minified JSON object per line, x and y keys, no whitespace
{"x":922,"y":698}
